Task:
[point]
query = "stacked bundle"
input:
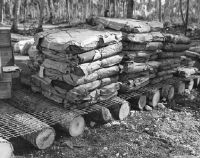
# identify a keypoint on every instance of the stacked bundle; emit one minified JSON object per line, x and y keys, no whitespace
{"x":77,"y":65}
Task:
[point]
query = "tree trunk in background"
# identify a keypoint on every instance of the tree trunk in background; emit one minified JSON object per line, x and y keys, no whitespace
{"x":129,"y":8}
{"x":16,"y":16}
{"x":1,"y":12}
{"x":186,"y":22}
{"x":181,"y":10}
{"x":42,"y":7}
{"x":124,"y":6}
{"x":115,"y":8}
{"x":160,"y":11}
{"x":86,"y":8}
{"x":68,"y":9}
{"x":50,"y":4}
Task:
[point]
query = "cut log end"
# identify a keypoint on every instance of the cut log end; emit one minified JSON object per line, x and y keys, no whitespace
{"x":142,"y":102}
{"x":6,"y":149}
{"x":189,"y":84}
{"x":124,"y":110}
{"x":155,"y":98}
{"x":171,"y":93}
{"x":45,"y":138}
{"x":181,"y":87}
{"x":77,"y":126}
{"x":196,"y":82}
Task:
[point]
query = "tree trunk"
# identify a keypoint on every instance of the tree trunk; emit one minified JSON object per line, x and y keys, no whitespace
{"x":40,"y":134}
{"x":69,"y":121}
{"x":160,"y":10}
{"x":16,"y":16}
{"x":186,"y":21}
{"x":42,"y":8}
{"x":51,"y":8}
{"x":130,"y":4}
{"x":1,"y":12}
{"x":181,"y":10}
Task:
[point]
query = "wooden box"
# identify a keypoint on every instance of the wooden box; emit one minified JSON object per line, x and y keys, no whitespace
{"x":15,"y":73}
{"x":6,"y":87}
{"x":7,"y":56}
{"x":5,"y":38}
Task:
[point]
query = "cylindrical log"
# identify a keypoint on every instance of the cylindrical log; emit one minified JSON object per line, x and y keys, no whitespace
{"x":6,"y":149}
{"x":153,"y":98}
{"x":39,"y":133}
{"x":138,"y":102}
{"x":167,"y":91}
{"x":179,"y":85}
{"x":69,"y":121}
{"x":196,"y":82}
{"x":189,"y":84}
{"x":102,"y":115}
{"x":121,"y":109}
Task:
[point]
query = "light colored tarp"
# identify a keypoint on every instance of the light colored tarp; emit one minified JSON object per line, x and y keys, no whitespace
{"x":186,"y":71}
{"x":75,"y":40}
{"x":133,"y":67}
{"x":151,"y":46}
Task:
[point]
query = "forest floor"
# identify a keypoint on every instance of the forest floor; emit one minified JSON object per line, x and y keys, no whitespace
{"x":161,"y":133}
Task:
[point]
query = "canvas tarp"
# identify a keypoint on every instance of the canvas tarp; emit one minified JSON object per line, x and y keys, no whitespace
{"x":75,"y":40}
{"x":186,"y":71}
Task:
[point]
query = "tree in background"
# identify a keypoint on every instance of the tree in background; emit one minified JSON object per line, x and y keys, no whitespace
{"x":16,"y":16}
{"x":1,"y":12}
{"x":42,"y":9}
{"x":130,"y":4}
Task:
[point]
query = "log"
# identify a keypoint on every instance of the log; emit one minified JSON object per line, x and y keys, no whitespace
{"x":179,"y":86}
{"x":167,"y":91}
{"x":102,"y":115}
{"x":189,"y":84}
{"x":41,"y":135}
{"x":138,"y":102}
{"x":153,"y":98}
{"x":6,"y":149}
{"x":69,"y":121}
{"x":196,"y":82}
{"x":121,"y":109}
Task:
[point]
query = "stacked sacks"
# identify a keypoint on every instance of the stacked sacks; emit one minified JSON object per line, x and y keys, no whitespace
{"x":77,"y":65}
{"x":171,"y":56}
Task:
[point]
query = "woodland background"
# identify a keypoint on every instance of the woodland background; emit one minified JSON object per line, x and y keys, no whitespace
{"x":73,"y":11}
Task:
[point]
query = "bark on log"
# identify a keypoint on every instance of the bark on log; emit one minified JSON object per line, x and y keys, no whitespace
{"x":101,"y":116}
{"x":120,"y":110}
{"x":167,"y":91}
{"x":6,"y":149}
{"x":178,"y":85}
{"x":138,"y":102}
{"x":44,"y":135}
{"x":69,"y":121}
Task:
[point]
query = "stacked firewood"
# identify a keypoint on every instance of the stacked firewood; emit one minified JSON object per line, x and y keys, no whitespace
{"x":78,"y":66}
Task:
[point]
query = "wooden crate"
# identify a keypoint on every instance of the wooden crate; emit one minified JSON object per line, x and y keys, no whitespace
{"x":6,"y":87}
{"x":7,"y":56}
{"x":5,"y":38}
{"x":15,"y":73}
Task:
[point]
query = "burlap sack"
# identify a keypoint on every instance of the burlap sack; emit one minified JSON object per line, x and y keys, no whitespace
{"x":75,"y":40}
{"x":126,"y":76}
{"x":178,"y":39}
{"x":171,"y":54}
{"x":171,"y":47}
{"x":133,"y":67}
{"x":151,"y":46}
